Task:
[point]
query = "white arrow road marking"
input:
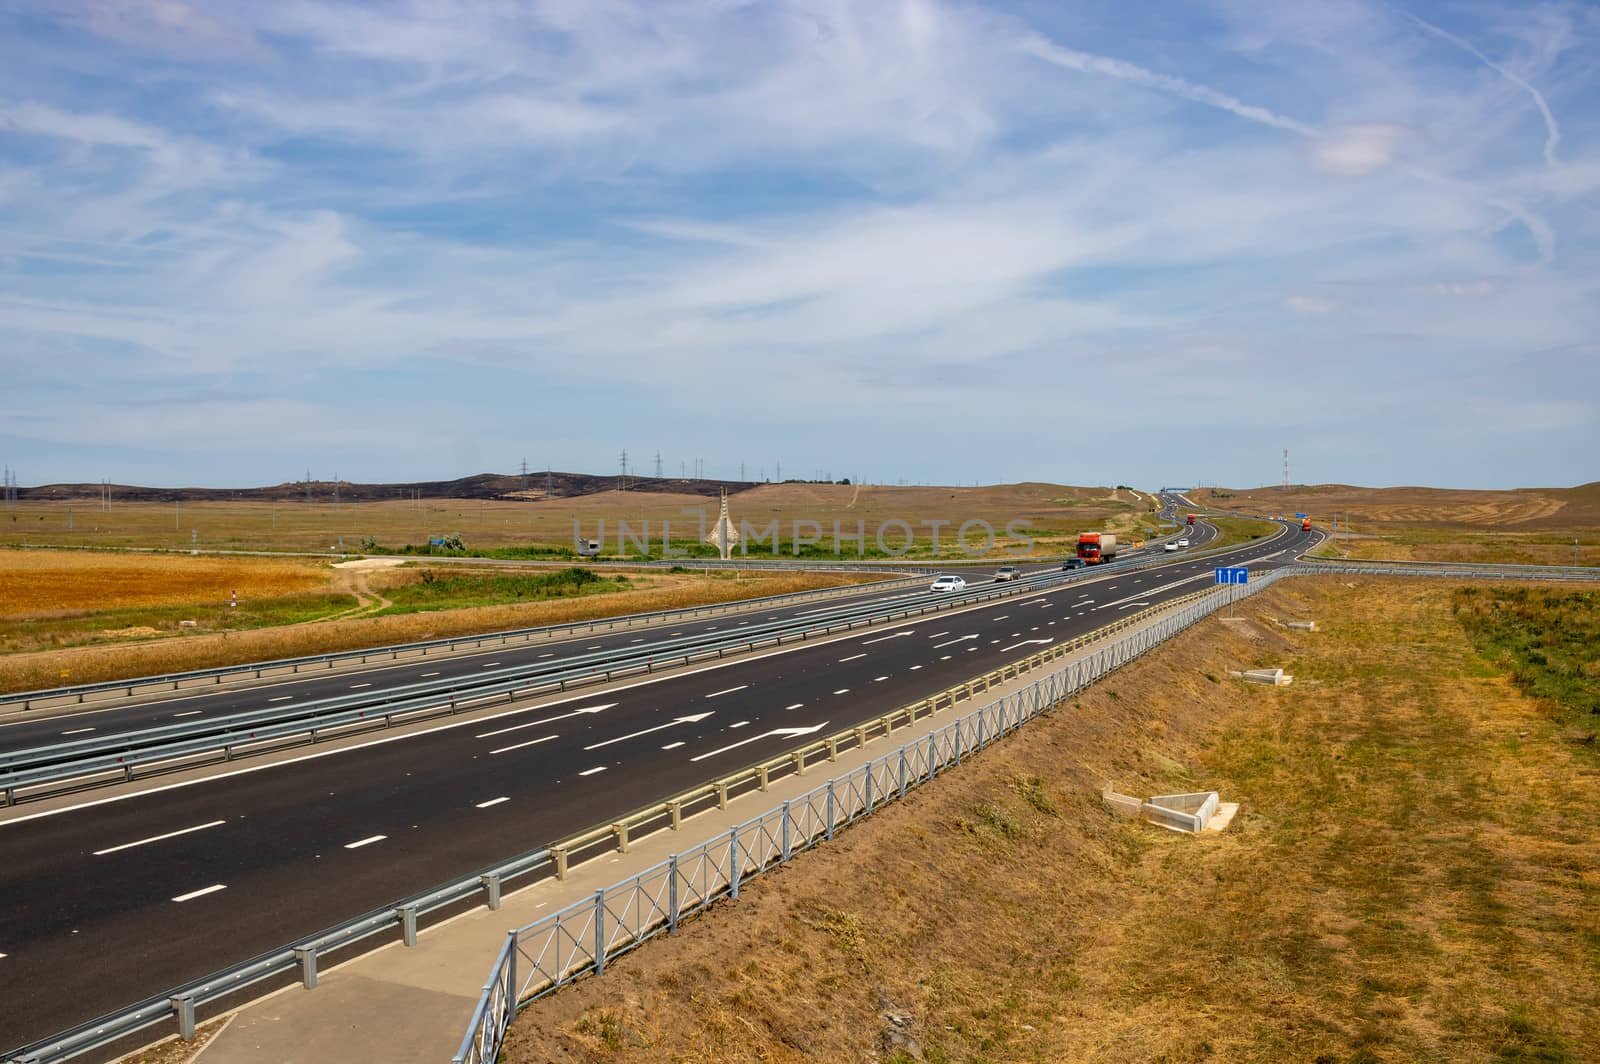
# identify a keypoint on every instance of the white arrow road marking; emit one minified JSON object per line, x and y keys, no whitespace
{"x":692,"y":719}
{"x":157,"y":838}
{"x":896,"y":635}
{"x":547,"y":720}
{"x":1130,"y":605}
{"x":519,"y":746}
{"x":953,"y":642}
{"x":786,"y":732}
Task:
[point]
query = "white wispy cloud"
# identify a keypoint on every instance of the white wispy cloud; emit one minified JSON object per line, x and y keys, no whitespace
{"x":805,"y":222}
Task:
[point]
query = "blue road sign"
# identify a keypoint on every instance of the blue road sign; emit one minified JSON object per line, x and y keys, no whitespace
{"x":1299,"y":515}
{"x":1230,"y":575}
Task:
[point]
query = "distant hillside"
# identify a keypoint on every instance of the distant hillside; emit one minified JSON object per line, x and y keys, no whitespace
{"x":534,"y":487}
{"x":1519,"y":509}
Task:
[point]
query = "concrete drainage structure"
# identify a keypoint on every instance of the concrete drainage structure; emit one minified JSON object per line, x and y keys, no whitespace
{"x":1190,"y":813}
{"x":1270,"y":677}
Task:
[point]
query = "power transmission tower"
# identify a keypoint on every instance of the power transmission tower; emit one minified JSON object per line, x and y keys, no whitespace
{"x":658,"y":465}
{"x":308,"y":484}
{"x":741,"y":470}
{"x":1286,"y":469}
{"x":622,"y":481}
{"x":549,"y":480}
{"x":524,"y":474}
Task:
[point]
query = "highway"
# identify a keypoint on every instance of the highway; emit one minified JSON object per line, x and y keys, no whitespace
{"x":123,"y":894}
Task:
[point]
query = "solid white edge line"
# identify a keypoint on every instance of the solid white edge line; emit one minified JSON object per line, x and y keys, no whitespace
{"x":493,"y":801}
{"x":157,"y":838}
{"x":202,"y":892}
{"x":368,"y":841}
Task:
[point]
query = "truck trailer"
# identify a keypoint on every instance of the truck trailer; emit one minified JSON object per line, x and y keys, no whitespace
{"x":1191,"y":519}
{"x":1097,"y":547}
{"x":1305,"y":525}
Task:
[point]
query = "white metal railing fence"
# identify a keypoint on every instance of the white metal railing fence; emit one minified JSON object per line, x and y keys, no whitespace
{"x":584,"y":936}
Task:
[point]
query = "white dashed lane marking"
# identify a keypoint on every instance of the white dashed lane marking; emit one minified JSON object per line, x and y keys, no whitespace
{"x":493,"y":801}
{"x":202,"y":892}
{"x":368,"y":841}
{"x":157,"y":838}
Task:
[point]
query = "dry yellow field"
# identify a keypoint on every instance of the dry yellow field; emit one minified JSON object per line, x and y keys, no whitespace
{"x":45,"y":582}
{"x":325,"y":525}
{"x":1536,"y":526}
{"x":175,"y":653}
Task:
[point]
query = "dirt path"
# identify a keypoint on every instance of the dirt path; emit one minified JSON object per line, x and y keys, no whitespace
{"x":354,"y":580}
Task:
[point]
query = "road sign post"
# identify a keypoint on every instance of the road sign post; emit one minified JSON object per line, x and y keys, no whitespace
{"x":1231,"y":575}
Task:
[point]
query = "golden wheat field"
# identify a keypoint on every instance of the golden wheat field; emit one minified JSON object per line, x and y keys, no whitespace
{"x":43,"y":582}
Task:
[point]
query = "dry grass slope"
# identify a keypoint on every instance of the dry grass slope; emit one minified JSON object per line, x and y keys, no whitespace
{"x":1413,"y":876}
{"x":30,"y":671}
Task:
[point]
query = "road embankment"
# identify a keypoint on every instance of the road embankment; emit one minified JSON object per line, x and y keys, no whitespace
{"x":1411,"y":875}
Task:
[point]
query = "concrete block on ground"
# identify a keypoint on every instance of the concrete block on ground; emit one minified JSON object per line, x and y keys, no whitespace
{"x":1302,"y":626}
{"x":1270,"y":677}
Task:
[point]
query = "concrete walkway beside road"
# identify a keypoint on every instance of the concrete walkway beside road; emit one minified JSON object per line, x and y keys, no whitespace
{"x":411,"y":1004}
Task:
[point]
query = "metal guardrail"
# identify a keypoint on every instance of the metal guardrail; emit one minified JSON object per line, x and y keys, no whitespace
{"x":1481,"y":570}
{"x":175,"y":680}
{"x":181,"y":1004}
{"x":896,"y":573}
{"x":582,"y":937}
{"x":119,"y":756}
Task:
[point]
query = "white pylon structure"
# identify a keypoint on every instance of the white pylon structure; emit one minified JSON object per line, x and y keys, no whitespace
{"x":724,"y":535}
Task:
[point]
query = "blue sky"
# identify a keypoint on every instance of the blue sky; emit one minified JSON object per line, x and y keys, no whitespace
{"x":914,"y":240}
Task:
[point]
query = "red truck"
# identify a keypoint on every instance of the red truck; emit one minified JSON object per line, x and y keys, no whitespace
{"x":1097,"y":547}
{"x":1305,"y":525}
{"x":1191,"y":519}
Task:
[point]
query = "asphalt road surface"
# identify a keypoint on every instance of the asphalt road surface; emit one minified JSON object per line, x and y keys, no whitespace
{"x":121,"y":896}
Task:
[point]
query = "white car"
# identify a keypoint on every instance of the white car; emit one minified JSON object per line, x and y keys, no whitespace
{"x":948,"y":583}
{"x":1183,"y":542}
{"x":1170,"y":546}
